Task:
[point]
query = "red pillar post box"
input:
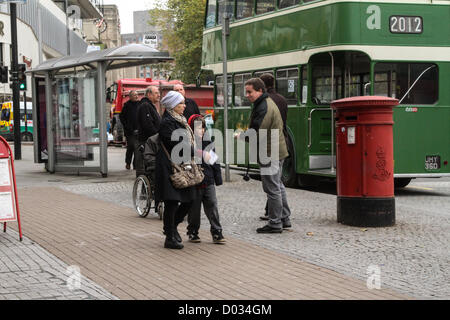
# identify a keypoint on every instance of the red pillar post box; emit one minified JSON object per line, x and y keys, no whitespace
{"x":365,"y":161}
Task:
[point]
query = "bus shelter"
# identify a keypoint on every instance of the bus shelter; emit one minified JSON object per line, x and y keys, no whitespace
{"x":69,"y":106}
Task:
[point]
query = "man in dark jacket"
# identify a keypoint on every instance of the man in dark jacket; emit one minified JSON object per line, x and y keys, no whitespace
{"x":266,"y":120}
{"x":191,"y":105}
{"x":148,"y":122}
{"x":129,"y":121}
{"x":282,"y":105}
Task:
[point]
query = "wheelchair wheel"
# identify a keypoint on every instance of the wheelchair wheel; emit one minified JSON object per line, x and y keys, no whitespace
{"x":142,"y":196}
{"x":160,"y":210}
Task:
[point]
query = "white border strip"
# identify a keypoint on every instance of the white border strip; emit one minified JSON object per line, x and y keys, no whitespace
{"x":383,"y":53}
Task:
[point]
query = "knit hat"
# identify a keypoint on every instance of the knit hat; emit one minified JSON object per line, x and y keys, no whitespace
{"x":192,"y":119}
{"x":172,"y":99}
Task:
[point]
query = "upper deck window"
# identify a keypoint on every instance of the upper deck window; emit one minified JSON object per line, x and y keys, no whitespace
{"x":288,"y":3}
{"x":263,"y":6}
{"x":416,"y":83}
{"x":211,"y":14}
{"x":244,"y":9}
{"x":225,"y":6}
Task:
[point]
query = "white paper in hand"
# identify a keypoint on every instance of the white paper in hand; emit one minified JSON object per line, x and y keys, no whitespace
{"x":213,"y":157}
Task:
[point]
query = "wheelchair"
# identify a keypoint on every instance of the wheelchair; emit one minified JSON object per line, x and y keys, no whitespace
{"x":144,"y":189}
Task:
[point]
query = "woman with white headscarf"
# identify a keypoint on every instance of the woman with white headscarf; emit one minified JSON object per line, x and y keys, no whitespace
{"x":177,"y":202}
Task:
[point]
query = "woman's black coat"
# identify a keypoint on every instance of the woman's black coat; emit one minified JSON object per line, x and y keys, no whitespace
{"x":164,"y":189}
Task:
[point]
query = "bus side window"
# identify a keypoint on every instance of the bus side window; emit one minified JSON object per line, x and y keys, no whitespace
{"x":287,"y":84}
{"x":240,"y":100}
{"x":219,"y":91}
{"x":304,"y":92}
{"x":416,"y":83}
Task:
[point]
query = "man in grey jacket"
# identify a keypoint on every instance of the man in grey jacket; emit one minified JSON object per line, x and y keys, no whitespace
{"x":266,"y":120}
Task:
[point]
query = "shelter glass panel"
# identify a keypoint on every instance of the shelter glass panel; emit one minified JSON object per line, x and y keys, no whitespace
{"x":75,"y":115}
{"x":263,"y":6}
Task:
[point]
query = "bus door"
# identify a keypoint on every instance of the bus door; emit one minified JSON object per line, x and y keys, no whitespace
{"x":334,"y":75}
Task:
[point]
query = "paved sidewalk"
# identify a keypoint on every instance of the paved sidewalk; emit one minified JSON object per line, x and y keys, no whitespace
{"x":124,"y":254}
{"x":27,"y":271}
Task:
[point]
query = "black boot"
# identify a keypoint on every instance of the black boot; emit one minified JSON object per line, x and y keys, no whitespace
{"x":171,"y":242}
{"x":177,"y":236}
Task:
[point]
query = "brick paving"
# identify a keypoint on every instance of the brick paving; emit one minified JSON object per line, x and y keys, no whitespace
{"x":27,"y":271}
{"x":124,"y":255}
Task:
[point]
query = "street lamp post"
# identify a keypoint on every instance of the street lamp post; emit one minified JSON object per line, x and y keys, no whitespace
{"x":15,"y":82}
{"x":225,"y":34}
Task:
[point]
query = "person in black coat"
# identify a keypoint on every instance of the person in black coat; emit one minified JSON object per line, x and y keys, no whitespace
{"x":148,"y":121}
{"x":128,"y":119}
{"x":280,"y":101}
{"x":177,"y":202}
{"x":191,"y":105}
{"x":205,"y":191}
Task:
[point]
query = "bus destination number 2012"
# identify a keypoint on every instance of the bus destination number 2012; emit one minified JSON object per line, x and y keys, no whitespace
{"x":405,"y":24}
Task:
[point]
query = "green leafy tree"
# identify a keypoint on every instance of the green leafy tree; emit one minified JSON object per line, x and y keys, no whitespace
{"x":181,"y":22}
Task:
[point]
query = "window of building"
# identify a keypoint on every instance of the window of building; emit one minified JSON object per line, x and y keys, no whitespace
{"x":244,"y":8}
{"x":287,"y":3}
{"x":211,"y":14}
{"x":416,"y":83}
{"x":263,"y":6}
{"x":240,"y":100}
{"x":287,"y":84}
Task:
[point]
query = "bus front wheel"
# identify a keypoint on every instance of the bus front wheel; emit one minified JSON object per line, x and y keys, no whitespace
{"x":401,"y":182}
{"x":27,"y":136}
{"x":307,"y":181}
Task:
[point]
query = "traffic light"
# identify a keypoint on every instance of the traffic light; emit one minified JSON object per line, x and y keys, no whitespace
{"x":22,"y":76}
{"x":3,"y":74}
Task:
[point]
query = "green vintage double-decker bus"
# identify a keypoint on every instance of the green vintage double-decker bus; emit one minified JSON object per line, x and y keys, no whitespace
{"x":322,"y":50}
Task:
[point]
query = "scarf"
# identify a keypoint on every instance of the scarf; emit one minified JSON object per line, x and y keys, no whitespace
{"x":181,"y":119}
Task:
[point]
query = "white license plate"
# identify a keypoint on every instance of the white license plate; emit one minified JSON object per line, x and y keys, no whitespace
{"x":432,"y":162}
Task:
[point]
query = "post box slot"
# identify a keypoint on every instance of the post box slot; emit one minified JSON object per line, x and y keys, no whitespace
{"x":351,"y":118}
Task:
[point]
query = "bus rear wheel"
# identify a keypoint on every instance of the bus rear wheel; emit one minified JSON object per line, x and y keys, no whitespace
{"x":401,"y":182}
{"x":27,"y":136}
{"x":288,"y":174}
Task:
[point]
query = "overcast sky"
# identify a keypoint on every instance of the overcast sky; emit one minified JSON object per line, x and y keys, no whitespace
{"x":126,"y":9}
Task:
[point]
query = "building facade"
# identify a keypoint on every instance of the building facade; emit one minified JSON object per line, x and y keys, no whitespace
{"x":43,"y":33}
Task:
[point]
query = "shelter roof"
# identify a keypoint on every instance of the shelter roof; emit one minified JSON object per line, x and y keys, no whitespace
{"x":120,"y":57}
